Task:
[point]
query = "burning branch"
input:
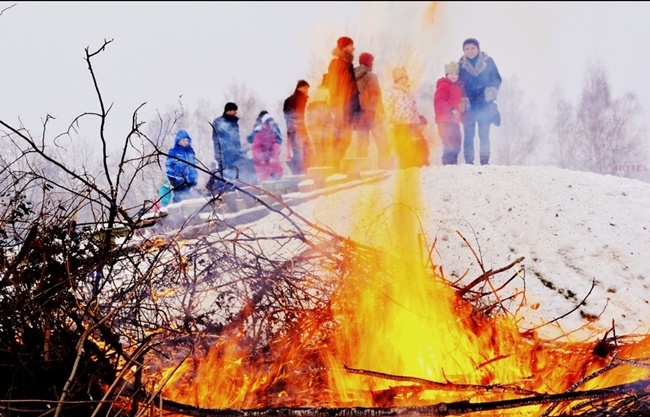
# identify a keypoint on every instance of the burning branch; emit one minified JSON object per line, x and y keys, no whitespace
{"x":487,"y":274}
{"x":624,"y":394}
{"x":444,"y":386}
{"x":593,"y":285}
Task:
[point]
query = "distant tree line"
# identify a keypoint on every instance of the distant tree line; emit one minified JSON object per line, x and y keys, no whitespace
{"x":599,"y":133}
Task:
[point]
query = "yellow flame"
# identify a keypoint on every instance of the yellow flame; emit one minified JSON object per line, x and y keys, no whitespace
{"x":404,"y":338}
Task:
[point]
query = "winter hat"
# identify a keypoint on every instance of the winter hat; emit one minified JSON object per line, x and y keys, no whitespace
{"x":302,"y":83}
{"x":472,"y":41}
{"x":399,"y":72}
{"x":267,"y":117}
{"x":262,"y":113}
{"x":366,"y":59}
{"x":182,"y":134}
{"x":343,"y":41}
{"x":451,"y":68}
{"x":230,"y":106}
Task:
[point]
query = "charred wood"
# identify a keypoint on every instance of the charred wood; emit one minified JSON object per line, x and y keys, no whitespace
{"x":599,"y":402}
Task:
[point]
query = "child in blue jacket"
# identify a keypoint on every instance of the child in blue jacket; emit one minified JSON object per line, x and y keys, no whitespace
{"x":180,"y":167}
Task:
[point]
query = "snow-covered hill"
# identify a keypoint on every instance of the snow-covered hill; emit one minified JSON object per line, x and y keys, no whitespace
{"x":572,"y":228}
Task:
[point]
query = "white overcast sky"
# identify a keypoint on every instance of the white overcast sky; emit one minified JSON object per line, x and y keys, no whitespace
{"x":162,"y":50}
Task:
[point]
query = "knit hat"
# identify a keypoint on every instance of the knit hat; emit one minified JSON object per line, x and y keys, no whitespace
{"x":472,"y":41}
{"x":266,"y":118}
{"x":451,"y":68}
{"x":182,"y":134}
{"x":366,"y":59}
{"x":230,"y":106}
{"x":399,"y":72}
{"x":343,"y":41}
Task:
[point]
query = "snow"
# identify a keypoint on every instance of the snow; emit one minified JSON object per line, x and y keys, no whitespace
{"x":574,"y":230}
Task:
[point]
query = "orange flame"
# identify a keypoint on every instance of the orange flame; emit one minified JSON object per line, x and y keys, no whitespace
{"x":403,"y":339}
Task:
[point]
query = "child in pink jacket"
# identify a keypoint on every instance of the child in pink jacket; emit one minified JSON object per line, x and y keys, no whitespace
{"x":266,"y":149}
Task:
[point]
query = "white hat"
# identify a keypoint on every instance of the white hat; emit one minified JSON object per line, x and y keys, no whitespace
{"x":266,"y":118}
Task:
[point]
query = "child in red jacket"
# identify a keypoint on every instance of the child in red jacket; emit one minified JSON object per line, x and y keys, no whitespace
{"x":447,"y":107}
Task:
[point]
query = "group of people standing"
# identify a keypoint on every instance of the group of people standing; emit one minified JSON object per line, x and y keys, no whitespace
{"x":320,"y":127}
{"x":467,"y":95}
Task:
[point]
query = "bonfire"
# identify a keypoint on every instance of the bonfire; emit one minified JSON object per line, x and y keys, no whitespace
{"x":309,"y":323}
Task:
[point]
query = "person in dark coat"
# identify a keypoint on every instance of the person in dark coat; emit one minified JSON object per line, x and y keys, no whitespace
{"x":180,"y":167}
{"x":480,"y":80}
{"x":447,"y":108}
{"x":344,"y":97}
{"x":231,"y":159}
{"x":299,"y":145}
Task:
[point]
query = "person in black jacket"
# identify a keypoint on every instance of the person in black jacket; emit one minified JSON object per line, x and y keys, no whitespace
{"x":299,"y":144}
{"x":228,"y":153}
{"x":480,"y":80}
{"x":344,"y":97}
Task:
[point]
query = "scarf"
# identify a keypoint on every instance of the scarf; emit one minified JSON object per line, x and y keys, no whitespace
{"x":480,"y":65}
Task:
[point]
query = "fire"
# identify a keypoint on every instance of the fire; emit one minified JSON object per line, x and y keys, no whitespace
{"x":403,"y":337}
{"x":405,"y":323}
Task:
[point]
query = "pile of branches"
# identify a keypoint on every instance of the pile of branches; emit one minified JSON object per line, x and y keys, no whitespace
{"x":272,"y":288}
{"x":95,"y":321}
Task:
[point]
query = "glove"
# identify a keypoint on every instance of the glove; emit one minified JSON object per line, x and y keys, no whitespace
{"x":464,"y":104}
{"x":175,"y":181}
{"x":490,"y":94}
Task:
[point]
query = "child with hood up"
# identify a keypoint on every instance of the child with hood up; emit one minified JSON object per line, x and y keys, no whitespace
{"x":266,"y":149}
{"x":447,"y":107}
{"x":180,"y":167}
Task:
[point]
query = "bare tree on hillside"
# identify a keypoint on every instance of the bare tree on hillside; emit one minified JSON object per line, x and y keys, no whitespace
{"x":164,"y":128}
{"x":565,"y":127}
{"x":201,"y":118}
{"x":600,"y":135}
{"x":516,"y":141}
